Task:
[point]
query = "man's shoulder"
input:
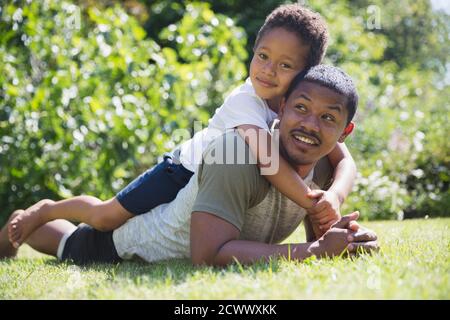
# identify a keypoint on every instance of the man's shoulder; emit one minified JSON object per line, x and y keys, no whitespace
{"x":229,"y":173}
{"x":323,"y":173}
{"x":229,"y":148}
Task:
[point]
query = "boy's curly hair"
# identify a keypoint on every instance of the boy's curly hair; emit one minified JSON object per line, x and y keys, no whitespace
{"x":309,"y":26}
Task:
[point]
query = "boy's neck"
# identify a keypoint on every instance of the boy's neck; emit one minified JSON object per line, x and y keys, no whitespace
{"x":274,"y":104}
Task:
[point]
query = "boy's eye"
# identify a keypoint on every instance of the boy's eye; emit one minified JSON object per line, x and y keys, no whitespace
{"x":262,"y":56}
{"x":286,"y":66}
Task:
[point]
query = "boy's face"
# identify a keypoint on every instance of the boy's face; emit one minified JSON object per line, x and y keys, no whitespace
{"x":277,"y":59}
{"x":312,"y":121}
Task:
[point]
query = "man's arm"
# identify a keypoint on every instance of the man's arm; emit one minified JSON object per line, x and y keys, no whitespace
{"x":311,"y":234}
{"x":214,"y":241}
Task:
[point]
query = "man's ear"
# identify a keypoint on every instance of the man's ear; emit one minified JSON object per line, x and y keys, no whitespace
{"x":282,"y":106}
{"x":347,"y":131}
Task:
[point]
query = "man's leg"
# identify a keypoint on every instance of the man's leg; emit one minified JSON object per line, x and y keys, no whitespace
{"x":44,"y":239}
{"x":83,"y":244}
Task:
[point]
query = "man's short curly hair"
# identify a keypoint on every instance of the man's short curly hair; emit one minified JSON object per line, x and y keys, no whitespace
{"x":330,"y":77}
{"x":309,"y":26}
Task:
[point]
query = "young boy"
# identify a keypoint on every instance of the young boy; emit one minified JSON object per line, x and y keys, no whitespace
{"x":292,"y":39}
{"x":230,"y":212}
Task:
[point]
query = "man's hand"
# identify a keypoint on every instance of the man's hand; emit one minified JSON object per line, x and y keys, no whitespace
{"x":342,"y":236}
{"x":326,"y":210}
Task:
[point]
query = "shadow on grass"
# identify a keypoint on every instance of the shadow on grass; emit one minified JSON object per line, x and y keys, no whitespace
{"x":175,"y":271}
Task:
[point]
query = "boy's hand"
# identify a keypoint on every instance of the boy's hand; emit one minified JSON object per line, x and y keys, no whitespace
{"x":326,"y":211}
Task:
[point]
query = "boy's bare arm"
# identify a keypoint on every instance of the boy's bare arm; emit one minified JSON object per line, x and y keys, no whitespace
{"x":286,"y":179}
{"x":344,"y":171}
{"x":327,"y":209}
{"x":323,"y":206}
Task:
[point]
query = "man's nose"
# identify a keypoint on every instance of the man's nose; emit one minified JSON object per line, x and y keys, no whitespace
{"x":311,"y":123}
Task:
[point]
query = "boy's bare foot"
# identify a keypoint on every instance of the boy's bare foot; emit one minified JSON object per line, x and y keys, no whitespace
{"x":6,"y":249}
{"x":26,"y":222}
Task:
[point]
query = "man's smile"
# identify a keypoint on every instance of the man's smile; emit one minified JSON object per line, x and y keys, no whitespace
{"x":305,"y":139}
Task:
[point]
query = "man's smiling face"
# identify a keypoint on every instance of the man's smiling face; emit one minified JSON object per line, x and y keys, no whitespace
{"x":312,"y":121}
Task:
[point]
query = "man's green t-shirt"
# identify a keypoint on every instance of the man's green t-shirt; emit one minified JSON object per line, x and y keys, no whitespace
{"x":239,"y":194}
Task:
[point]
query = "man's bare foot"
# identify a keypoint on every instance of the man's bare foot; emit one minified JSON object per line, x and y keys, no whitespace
{"x":6,"y":248}
{"x":26,"y":222}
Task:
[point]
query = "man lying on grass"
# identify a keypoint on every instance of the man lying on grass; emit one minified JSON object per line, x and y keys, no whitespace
{"x":229,"y":211}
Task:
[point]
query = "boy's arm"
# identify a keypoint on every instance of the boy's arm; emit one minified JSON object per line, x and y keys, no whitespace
{"x":286,"y":179}
{"x":327,"y":210}
{"x":344,"y":171}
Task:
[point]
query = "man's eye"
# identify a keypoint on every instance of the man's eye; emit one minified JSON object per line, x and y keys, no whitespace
{"x":300,"y":107}
{"x":329,"y":117}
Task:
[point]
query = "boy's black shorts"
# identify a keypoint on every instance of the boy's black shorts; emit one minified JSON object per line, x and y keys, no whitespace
{"x":88,"y":245}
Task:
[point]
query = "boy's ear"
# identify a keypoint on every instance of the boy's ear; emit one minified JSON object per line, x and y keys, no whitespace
{"x":347,"y":131}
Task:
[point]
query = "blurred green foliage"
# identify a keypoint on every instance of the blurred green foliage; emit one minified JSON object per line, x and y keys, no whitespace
{"x":401,"y":145}
{"x":91,"y":92}
{"x":88,"y":103}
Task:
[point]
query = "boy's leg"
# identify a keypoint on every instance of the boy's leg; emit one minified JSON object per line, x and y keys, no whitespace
{"x":154,"y":187}
{"x":82,"y":244}
{"x":6,"y":248}
{"x":102,"y":215}
{"x":44,"y":239}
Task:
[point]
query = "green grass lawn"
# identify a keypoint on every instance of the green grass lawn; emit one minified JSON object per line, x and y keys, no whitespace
{"x":413,"y":263}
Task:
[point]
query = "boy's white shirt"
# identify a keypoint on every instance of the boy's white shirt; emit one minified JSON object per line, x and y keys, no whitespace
{"x":241,"y":106}
{"x":164,"y":232}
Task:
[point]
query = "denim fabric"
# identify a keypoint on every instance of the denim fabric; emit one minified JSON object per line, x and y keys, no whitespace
{"x":156,"y":186}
